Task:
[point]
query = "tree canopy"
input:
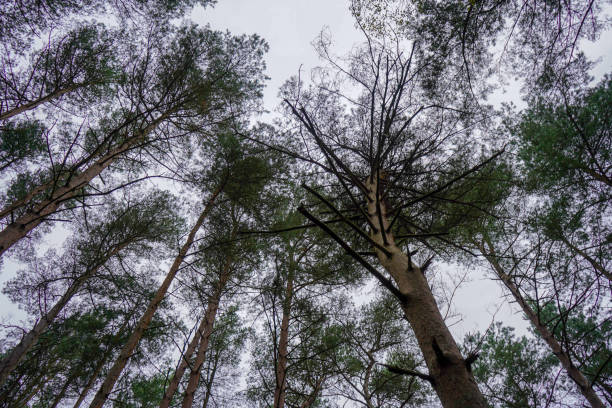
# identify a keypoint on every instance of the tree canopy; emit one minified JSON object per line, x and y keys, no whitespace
{"x":170,"y":245}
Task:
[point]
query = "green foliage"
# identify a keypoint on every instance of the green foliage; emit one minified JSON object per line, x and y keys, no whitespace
{"x":568,"y":147}
{"x":22,"y":18}
{"x":378,"y":334}
{"x":242,"y":172}
{"x":68,"y":351}
{"x":589,"y":337}
{"x":19,"y":141}
{"x":144,"y":392}
{"x":140,"y":223}
{"x":513,"y":371}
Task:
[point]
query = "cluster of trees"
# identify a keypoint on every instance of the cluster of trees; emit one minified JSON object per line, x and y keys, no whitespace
{"x":215,"y":261}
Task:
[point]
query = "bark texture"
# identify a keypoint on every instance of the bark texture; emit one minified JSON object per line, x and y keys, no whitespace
{"x":451,"y":375}
{"x":127,"y":351}
{"x":574,"y":373}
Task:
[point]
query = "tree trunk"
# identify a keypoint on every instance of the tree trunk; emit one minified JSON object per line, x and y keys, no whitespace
{"x":100,"y":366}
{"x":366,"y":381}
{"x":283,"y":345}
{"x":19,"y":228}
{"x":574,"y":373}
{"x":209,"y":317}
{"x":183,"y":363}
{"x":33,"y":104}
{"x":145,"y":320}
{"x":313,"y":396}
{"x":92,"y":379}
{"x":62,"y":393}
{"x":452,"y":377}
{"x":23,"y":402}
{"x":8,"y":364}
{"x":209,"y":384}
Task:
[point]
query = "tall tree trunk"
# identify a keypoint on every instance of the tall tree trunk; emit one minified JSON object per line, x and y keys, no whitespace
{"x":21,"y":403}
{"x":313,"y":396}
{"x":127,"y":351}
{"x":210,"y":382}
{"x":8,"y":364}
{"x":452,"y":378}
{"x":283,"y":344}
{"x":366,"y":381}
{"x":33,"y":104}
{"x":574,"y":373}
{"x":209,"y":317}
{"x":93,"y":378}
{"x":183,"y":363}
{"x":100,"y":366}
{"x":59,"y":397}
{"x":25,"y":223}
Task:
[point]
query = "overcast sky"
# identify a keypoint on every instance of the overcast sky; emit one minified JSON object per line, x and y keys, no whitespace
{"x":289,"y":27}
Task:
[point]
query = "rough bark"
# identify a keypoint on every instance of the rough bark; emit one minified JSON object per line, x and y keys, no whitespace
{"x":127,"y":351}
{"x":8,"y":364}
{"x":574,"y":373}
{"x":209,"y":317}
{"x":25,"y":223}
{"x":452,"y":379}
{"x":283,"y":346}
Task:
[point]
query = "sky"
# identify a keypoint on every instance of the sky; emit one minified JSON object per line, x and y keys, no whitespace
{"x":289,"y":27}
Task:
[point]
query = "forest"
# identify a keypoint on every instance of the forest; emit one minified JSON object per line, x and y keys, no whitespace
{"x":169,"y":242}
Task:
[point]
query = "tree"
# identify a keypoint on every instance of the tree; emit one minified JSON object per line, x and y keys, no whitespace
{"x":515,"y":372}
{"x":540,"y":40}
{"x":376,"y":366}
{"x":306,"y":270}
{"x":406,"y":165}
{"x":20,"y":143}
{"x":568,"y":148}
{"x":70,"y":354}
{"x":187,"y":80}
{"x":223,"y":359}
{"x":129,"y":227}
{"x":83,"y":62}
{"x":542,"y":279}
{"x":235,"y":167}
{"x":223,"y":260}
{"x":31,"y":18}
{"x":549,"y":247}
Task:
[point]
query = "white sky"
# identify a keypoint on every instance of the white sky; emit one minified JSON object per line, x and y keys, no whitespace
{"x":289,"y":27}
